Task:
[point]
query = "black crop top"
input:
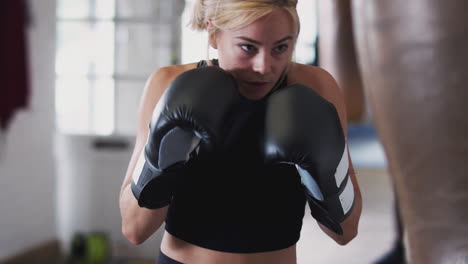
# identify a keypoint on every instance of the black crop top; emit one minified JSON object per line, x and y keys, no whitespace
{"x":235,"y":203}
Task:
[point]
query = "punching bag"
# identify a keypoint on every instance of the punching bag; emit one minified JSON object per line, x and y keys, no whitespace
{"x":414,"y":61}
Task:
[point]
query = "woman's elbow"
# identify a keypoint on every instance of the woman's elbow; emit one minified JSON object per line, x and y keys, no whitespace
{"x":132,"y":235}
{"x":346,"y":238}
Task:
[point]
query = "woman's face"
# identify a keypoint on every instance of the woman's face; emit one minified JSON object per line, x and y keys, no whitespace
{"x":258,"y":53}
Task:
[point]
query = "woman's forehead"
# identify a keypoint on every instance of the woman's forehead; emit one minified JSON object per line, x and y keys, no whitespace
{"x":275,"y":26}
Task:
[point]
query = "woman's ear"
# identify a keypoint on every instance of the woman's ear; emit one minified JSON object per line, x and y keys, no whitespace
{"x":211,"y":34}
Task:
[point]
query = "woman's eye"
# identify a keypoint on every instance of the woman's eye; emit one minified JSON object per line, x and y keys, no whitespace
{"x":281,"y":48}
{"x":247,"y":47}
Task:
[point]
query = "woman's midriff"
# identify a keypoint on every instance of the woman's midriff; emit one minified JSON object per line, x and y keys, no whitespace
{"x":191,"y":254}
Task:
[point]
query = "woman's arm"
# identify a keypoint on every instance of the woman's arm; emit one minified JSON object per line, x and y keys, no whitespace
{"x":138,"y":223}
{"x":325,"y":85}
{"x":350,"y":224}
{"x":331,"y":91}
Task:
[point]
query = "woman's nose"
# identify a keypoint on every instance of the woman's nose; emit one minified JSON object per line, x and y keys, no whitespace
{"x":262,"y":64}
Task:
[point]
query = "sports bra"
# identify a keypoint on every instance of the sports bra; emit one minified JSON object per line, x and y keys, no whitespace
{"x":234,"y":202}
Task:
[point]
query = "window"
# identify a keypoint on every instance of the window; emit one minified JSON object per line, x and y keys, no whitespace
{"x":106,"y":50}
{"x":306,"y":51}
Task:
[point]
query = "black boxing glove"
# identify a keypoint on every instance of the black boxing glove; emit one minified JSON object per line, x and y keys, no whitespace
{"x":304,"y":129}
{"x":190,"y":120}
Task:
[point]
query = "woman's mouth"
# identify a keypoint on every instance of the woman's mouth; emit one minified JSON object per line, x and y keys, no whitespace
{"x":255,"y":89}
{"x":258,"y":84}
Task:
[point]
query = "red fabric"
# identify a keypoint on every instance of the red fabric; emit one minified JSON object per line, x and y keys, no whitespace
{"x":14,"y":73}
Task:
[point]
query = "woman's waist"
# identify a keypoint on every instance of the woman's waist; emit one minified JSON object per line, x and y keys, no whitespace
{"x":189,"y":253}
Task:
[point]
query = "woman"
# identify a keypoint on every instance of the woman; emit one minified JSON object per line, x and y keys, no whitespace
{"x":255,"y":41}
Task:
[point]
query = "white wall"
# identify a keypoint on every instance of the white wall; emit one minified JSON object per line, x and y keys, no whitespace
{"x":27,"y":177}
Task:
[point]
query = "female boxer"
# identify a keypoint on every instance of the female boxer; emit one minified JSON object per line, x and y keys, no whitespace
{"x":232,"y":208}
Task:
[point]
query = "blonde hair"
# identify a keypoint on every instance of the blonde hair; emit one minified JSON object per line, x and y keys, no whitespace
{"x":235,"y":14}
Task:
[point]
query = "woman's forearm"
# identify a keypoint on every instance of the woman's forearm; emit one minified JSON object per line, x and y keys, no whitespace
{"x":138,"y":223}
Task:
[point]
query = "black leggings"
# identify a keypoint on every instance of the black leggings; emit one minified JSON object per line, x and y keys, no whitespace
{"x":163,"y":259}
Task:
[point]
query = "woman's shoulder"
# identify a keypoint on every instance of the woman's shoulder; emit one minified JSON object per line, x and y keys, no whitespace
{"x":169,"y":73}
{"x":155,"y":86}
{"x":322,"y":82}
{"x":316,"y":78}
{"x":160,"y":79}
